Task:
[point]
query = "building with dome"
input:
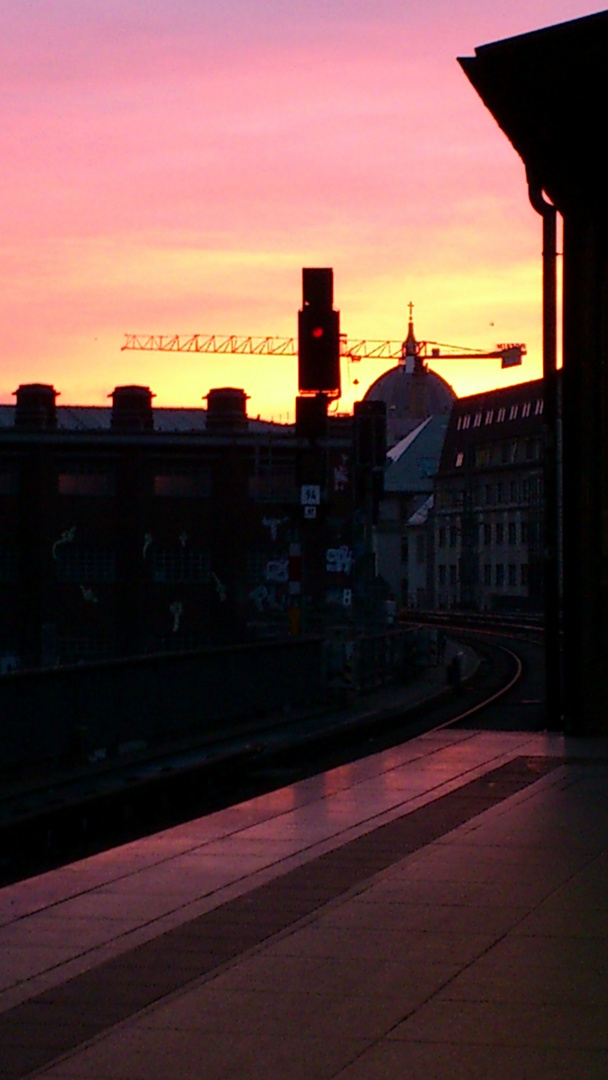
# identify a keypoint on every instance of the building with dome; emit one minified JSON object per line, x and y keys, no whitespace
{"x":410,"y":391}
{"x":418,"y":405}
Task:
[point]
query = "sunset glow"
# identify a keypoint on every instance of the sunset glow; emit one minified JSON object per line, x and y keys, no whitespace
{"x":169,"y":166}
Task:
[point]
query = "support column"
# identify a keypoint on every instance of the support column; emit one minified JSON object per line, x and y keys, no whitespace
{"x":585,"y":470}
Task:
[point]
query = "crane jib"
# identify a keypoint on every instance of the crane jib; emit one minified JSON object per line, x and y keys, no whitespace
{"x":361,"y":349}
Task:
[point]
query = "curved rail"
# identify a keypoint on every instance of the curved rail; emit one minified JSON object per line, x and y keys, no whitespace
{"x":492,"y":698}
{"x":507,"y":625}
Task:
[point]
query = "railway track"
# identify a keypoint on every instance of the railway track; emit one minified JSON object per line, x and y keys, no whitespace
{"x":44,"y":827}
{"x":516,"y":703}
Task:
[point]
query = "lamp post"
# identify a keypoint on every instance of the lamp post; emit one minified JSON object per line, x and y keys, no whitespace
{"x":551,"y":522}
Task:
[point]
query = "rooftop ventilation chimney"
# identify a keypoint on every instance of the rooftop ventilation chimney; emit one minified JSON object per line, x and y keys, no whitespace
{"x":227,"y":411}
{"x":132,"y":408}
{"x":35,"y":409}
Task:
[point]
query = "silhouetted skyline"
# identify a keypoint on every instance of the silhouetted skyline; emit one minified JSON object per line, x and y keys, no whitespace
{"x":170,"y":170}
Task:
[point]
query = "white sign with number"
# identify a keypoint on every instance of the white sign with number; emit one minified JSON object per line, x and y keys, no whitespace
{"x":310,"y":495}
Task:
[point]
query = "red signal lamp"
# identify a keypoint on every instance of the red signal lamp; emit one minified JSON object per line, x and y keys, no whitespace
{"x":318,"y":335}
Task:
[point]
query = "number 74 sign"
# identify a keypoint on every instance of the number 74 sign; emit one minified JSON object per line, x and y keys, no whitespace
{"x":310,"y":495}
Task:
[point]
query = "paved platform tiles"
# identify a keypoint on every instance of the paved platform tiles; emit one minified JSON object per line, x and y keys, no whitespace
{"x":435,"y":911}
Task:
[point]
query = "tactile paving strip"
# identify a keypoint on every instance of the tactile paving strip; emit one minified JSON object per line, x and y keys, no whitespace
{"x":38,"y":1031}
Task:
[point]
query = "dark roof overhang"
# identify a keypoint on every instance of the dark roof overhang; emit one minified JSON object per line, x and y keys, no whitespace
{"x":548,"y":91}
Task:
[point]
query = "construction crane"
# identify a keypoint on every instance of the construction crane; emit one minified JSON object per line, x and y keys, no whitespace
{"x":510,"y":355}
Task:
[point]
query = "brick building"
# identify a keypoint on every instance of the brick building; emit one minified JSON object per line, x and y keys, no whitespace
{"x":132,"y":529}
{"x":488,"y":508}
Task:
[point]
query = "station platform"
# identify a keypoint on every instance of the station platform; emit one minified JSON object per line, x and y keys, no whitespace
{"x":436,"y":911}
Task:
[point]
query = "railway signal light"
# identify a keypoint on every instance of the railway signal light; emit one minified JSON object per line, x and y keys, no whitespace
{"x":318,"y":335}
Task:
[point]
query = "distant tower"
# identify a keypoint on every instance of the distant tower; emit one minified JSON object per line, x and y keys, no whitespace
{"x":410,"y":348}
{"x":410,"y":391}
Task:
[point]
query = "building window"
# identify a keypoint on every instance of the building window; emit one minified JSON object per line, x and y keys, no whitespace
{"x":512,"y":575}
{"x":459,"y":424}
{"x":489,"y":416}
{"x":459,"y":459}
{"x":513,"y":411}
{"x":538,"y":407}
{"x":183,"y":485}
{"x":274,"y":480}
{"x":453,"y":574}
{"x":499,"y":492}
{"x":453,"y":536}
{"x":500,"y":537}
{"x":524,"y":532}
{"x":482,"y":456}
{"x":532,"y":449}
{"x":466,"y":422}
{"x":420,"y":548}
{"x":512,"y":534}
{"x":523,"y":571}
{"x":514,"y":491}
{"x":501,"y":415}
{"x":441,"y":569}
{"x":500,"y":575}
{"x":79,"y":565}
{"x":525,"y":490}
{"x":478,"y":419}
{"x":98,"y":484}
{"x":181,"y":565}
{"x":509,"y":452}
{"x":487,"y":534}
{"x":487,"y":574}
{"x":526,"y":409}
{"x":441,"y":537}
{"x":489,"y":494}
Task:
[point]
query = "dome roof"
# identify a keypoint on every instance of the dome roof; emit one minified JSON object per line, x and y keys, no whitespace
{"x":410,"y":392}
{"x":401,"y":393}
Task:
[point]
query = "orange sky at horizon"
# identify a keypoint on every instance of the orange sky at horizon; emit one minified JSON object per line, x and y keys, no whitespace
{"x":171,"y":167}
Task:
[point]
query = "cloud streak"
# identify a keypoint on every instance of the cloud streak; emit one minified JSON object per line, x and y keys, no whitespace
{"x":168,"y":165}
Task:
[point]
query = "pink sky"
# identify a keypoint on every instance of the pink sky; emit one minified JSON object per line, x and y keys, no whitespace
{"x":170,"y":165}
